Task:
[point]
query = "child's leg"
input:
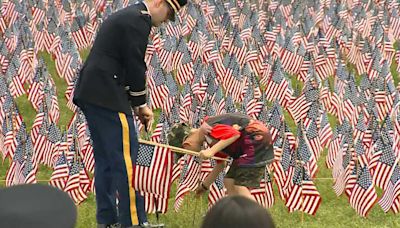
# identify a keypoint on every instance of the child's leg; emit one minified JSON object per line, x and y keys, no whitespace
{"x":219,"y":167}
{"x":243,"y":191}
{"x":233,"y":189}
{"x":229,"y":184}
{"x":245,"y":178}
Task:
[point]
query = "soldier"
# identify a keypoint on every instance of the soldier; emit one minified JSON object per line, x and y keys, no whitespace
{"x":111,"y":83}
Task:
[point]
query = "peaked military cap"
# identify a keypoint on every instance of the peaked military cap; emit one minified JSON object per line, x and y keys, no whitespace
{"x":176,"y":5}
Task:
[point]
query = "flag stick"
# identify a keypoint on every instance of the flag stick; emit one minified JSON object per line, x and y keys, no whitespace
{"x":178,"y":150}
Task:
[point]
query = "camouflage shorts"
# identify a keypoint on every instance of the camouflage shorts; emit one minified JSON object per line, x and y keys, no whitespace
{"x":246,"y":176}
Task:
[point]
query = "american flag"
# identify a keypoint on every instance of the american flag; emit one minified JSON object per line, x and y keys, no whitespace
{"x":51,"y":32}
{"x":60,"y":175}
{"x":53,"y":141}
{"x":276,"y":87}
{"x":152,"y":172}
{"x":4,"y":60}
{"x":303,"y":195}
{"x":39,"y":12}
{"x":383,"y":99}
{"x":185,"y":68}
{"x":35,"y":91}
{"x":78,"y":29}
{"x":41,"y":116}
{"x":199,"y":85}
{"x":254,"y":60}
{"x":84,"y":179}
{"x":325,"y":131}
{"x":237,"y":47}
{"x":88,"y":156}
{"x":191,"y":19}
{"x":396,"y":138}
{"x":217,"y":190}
{"x":69,"y":94}
{"x":304,"y":153}
{"x":188,"y":180}
{"x":158,"y":131}
{"x":264,"y":195}
{"x":157,"y":84}
{"x":12,"y":76}
{"x":275,"y":121}
{"x":363,"y":197}
{"x":73,"y":186}
{"x":31,"y":166}
{"x":391,"y":196}
{"x":300,"y":106}
{"x":383,"y":168}
{"x":178,"y":54}
{"x":360,"y":128}
{"x":9,"y":141}
{"x":233,"y":81}
{"x":343,"y":168}
{"x":41,"y":145}
{"x":252,"y":105}
{"x":291,"y":61}
{"x":314,"y":139}
{"x":14,"y":174}
{"x":283,"y":171}
{"x":348,"y":103}
{"x":194,"y":44}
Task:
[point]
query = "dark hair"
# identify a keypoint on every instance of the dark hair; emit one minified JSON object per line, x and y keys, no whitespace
{"x":237,"y":212}
{"x":178,"y":133}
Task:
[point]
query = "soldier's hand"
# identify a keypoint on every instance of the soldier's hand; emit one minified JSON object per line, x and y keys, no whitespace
{"x":146,"y":117}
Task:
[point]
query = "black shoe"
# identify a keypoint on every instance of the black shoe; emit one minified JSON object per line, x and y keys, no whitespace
{"x":116,"y":225}
{"x":149,"y":225}
{"x":145,"y":225}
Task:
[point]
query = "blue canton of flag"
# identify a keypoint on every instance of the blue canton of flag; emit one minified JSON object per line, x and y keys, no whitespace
{"x":145,"y":155}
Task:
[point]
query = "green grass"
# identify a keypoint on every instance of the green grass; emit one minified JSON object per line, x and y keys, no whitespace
{"x":333,"y":212}
{"x":395,"y":74}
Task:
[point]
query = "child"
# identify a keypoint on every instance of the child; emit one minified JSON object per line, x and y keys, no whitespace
{"x":246,"y":140}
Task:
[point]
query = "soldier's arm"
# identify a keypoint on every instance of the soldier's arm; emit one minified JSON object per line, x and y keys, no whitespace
{"x":136,"y":67}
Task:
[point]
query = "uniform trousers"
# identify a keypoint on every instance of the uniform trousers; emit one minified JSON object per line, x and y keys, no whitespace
{"x":115,"y":147}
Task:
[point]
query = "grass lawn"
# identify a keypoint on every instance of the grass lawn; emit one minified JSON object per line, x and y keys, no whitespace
{"x":333,"y":212}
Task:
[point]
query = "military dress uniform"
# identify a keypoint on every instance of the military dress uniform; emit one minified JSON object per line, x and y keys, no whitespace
{"x":111,"y":81}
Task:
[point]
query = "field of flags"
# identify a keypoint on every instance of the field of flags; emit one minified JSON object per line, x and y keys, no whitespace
{"x":310,"y":59}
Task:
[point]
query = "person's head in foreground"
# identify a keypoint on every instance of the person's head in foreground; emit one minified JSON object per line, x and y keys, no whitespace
{"x":163,"y":10}
{"x":237,"y":212}
{"x":36,"y":205}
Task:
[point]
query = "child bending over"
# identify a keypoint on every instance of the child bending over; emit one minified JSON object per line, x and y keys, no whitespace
{"x":247,"y":141}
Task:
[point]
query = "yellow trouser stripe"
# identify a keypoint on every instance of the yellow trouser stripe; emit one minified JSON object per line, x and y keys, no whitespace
{"x":129,"y":168}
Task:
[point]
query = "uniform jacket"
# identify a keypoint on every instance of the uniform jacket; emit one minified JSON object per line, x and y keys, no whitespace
{"x":113,"y":76}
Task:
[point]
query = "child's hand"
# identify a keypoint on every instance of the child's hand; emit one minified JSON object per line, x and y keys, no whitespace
{"x":206,"y":154}
{"x":205,"y":128}
{"x":237,"y":127}
{"x":201,"y":188}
